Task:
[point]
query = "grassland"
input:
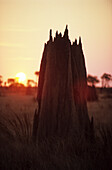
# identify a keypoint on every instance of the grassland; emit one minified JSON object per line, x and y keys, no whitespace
{"x":17,"y":152}
{"x":101,"y":110}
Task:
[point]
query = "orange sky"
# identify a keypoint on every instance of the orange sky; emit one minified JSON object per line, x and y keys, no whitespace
{"x":25,"y":25}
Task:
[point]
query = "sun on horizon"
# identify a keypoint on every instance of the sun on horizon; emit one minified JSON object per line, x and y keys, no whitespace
{"x":20,"y":77}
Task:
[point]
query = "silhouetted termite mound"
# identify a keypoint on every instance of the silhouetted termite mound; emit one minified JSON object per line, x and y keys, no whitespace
{"x":62,"y":108}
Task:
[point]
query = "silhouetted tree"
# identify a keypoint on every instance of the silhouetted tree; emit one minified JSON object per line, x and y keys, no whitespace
{"x":91,"y":90}
{"x":16,"y":85}
{"x":37,"y":75}
{"x":30,"y":83}
{"x":5,"y":84}
{"x":92,"y":80}
{"x":11,"y":81}
{"x":106,"y":79}
{"x":1,"y":80}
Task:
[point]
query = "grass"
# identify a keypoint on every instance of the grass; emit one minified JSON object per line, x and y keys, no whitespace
{"x":17,"y":151}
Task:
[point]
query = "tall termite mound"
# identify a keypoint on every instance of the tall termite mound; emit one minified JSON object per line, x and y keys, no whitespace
{"x":61,"y":97}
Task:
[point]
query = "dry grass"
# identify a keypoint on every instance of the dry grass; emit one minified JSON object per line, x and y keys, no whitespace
{"x":101,"y":110}
{"x":17,"y":103}
{"x":17,"y":152}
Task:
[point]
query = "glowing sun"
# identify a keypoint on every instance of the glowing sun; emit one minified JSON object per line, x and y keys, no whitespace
{"x":20,"y":77}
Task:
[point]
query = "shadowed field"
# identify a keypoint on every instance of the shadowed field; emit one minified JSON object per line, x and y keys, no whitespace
{"x":18,"y":103}
{"x":18,"y":152}
{"x":101,"y":110}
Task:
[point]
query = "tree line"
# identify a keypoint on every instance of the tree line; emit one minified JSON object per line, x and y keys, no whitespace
{"x":105,"y":80}
{"x":91,"y":80}
{"x":13,"y":82}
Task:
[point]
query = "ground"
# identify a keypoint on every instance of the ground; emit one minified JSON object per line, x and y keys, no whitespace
{"x":101,"y":110}
{"x":18,"y":103}
{"x":18,"y":151}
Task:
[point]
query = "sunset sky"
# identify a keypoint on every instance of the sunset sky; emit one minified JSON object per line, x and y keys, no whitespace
{"x":25,"y":25}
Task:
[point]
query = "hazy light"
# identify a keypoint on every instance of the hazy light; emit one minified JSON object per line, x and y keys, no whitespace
{"x":20,"y":77}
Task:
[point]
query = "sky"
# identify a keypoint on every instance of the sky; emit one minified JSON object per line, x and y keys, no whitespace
{"x":25,"y":25}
